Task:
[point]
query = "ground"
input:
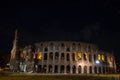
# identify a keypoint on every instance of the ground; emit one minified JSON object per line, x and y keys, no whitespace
{"x":23,"y":76}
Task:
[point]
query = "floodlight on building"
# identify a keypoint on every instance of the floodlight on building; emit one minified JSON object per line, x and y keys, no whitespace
{"x":97,"y":62}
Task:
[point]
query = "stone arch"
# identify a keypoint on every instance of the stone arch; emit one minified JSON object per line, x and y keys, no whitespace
{"x":45,"y":56}
{"x":79,"y":69}
{"x":74,"y":69}
{"x":44,"y":68}
{"x":39,"y":70}
{"x":50,"y":68}
{"x":45,"y":49}
{"x":56,"y":55}
{"x":84,"y":56}
{"x":95,"y":70}
{"x":73,"y":56}
{"x":56,"y":69}
{"x":51,"y":56}
{"x":68,"y":49}
{"x":90,"y":69}
{"x":62,"y":67}
{"x":68,"y":57}
{"x":62,"y":56}
{"x":68,"y":69}
{"x":103,"y":70}
{"x":107,"y":69}
{"x":99,"y":70}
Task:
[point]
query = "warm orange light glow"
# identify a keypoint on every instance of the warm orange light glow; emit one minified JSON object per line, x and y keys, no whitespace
{"x":34,"y":55}
{"x":103,"y":57}
{"x":99,"y":57}
{"x":39,"y":55}
{"x":79,"y":56}
{"x":108,"y":59}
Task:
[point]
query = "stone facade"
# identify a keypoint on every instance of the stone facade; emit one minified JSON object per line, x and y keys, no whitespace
{"x":65,"y":57}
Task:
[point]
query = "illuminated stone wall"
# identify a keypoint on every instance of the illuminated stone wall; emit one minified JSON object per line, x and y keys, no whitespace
{"x":66,"y":57}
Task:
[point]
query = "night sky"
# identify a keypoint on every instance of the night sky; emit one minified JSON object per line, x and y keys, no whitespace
{"x":85,"y":21}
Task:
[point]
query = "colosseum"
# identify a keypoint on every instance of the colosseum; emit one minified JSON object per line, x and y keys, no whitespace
{"x":63,"y":57}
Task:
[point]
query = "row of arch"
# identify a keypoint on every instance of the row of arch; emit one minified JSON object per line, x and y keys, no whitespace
{"x":72,"y":56}
{"x":73,"y":69}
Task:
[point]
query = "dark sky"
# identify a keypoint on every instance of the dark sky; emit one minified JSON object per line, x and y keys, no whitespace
{"x":86,"y":20}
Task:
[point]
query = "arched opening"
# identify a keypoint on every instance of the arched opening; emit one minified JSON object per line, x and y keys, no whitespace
{"x":103,"y":70}
{"x":85,"y":69}
{"x":99,"y":70}
{"x":90,"y":69}
{"x":50,"y":68}
{"x":62,"y":56}
{"x":84,"y":57}
{"x":68,"y":69}
{"x":79,"y":69}
{"x":51,"y":56}
{"x":39,"y":70}
{"x":95,"y":70}
{"x":56,"y":69}
{"x":107,"y":69}
{"x":45,"y":49}
{"x":73,"y":56}
{"x":45,"y":56}
{"x":56,"y":56}
{"x":68,"y":49}
{"x":62,"y":69}
{"x":44,"y":68}
{"x":68,"y":57}
{"x":74,"y":69}
{"x":79,"y":56}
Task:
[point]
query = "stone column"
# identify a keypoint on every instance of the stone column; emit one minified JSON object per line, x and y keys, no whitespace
{"x":53,"y":62}
{"x":48,"y":61}
{"x":82,"y":69}
{"x":76,"y":69}
{"x":70,"y":62}
{"x":65,"y":62}
{"x":59,"y":62}
{"x":93,"y":69}
{"x":42,"y":60}
{"x":101,"y":69}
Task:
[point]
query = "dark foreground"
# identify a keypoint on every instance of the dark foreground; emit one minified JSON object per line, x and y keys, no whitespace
{"x":21,"y":76}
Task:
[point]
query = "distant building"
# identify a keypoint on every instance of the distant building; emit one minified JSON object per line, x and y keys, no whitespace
{"x":67,"y":57}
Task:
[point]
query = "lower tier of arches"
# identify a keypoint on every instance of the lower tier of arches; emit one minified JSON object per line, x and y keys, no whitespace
{"x":73,"y":69}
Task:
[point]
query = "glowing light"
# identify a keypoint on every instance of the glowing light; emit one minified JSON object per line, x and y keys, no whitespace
{"x":39,"y":55}
{"x":79,"y":56}
{"x":103,"y":57}
{"x":97,"y":62}
{"x":75,"y":56}
{"x":99,"y":57}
